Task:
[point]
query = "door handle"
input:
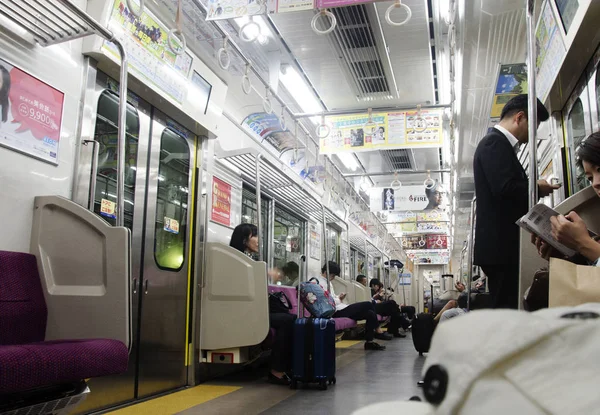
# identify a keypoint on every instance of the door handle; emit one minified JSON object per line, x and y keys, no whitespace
{"x":135,"y":284}
{"x":146,"y":287}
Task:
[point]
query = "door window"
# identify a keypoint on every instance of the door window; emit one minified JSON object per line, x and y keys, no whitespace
{"x":576,"y":127}
{"x":249,"y":215}
{"x":288,"y":244}
{"x":106,"y":134}
{"x":172,"y":201}
{"x":598,"y":92}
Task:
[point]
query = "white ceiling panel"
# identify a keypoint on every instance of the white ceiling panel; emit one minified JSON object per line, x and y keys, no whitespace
{"x":407,"y":57}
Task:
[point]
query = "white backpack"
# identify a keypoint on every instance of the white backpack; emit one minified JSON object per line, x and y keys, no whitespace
{"x":498,"y":362}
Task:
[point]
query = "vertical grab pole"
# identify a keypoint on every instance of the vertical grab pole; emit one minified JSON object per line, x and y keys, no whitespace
{"x":532,"y":107}
{"x":302,"y":272}
{"x":259,"y":208}
{"x":366,"y":263}
{"x":471,"y":246}
{"x":122,"y":125}
{"x":326,"y":246}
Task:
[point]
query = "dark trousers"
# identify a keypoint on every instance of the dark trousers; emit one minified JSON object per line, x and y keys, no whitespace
{"x":409,"y":310}
{"x":503,"y":283}
{"x":392,"y":310}
{"x":281,"y":352}
{"x":362,"y":311}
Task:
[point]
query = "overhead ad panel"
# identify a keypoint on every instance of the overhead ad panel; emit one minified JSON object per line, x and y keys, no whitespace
{"x":385,"y":130}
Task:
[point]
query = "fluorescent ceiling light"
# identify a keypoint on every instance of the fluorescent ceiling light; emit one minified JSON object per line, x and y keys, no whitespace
{"x":300,"y":91}
{"x":348,"y":160}
{"x":250,"y":31}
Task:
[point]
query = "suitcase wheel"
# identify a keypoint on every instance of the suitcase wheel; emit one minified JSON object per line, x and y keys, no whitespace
{"x":333,"y":380}
{"x":294,"y":384}
{"x":323,"y":385}
{"x":420,"y":353}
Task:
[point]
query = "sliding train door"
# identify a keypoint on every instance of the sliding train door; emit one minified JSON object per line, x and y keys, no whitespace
{"x":166,"y":257}
{"x":159,"y":180}
{"x":97,"y":188}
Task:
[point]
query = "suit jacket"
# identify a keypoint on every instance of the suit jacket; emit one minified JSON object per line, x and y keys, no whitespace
{"x":502,"y":190}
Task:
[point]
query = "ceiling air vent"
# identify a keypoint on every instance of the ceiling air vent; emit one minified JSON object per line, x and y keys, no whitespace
{"x":399,"y":159}
{"x":355,"y":44}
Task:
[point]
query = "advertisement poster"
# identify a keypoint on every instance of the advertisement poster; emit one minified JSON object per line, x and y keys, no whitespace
{"x":284,"y":6}
{"x":314,"y":242}
{"x":512,"y":81}
{"x":150,"y":58}
{"x":221,"y":202}
{"x":551,"y":51}
{"x":230,"y":9}
{"x":268,"y":128}
{"x":324,"y":4}
{"x":30,"y":114}
{"x":430,"y":257}
{"x":406,"y":129}
{"x":407,"y":198}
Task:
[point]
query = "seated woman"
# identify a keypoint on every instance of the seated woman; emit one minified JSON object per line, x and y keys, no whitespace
{"x":245,"y":239}
{"x":570,"y":230}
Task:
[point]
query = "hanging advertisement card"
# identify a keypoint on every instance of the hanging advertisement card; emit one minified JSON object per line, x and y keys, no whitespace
{"x":551,"y":51}
{"x":230,"y":9}
{"x":512,"y":81}
{"x":430,"y":257}
{"x":314,"y":244}
{"x":30,"y":114}
{"x":284,"y":6}
{"x":402,"y":129}
{"x":407,"y":198}
{"x":145,"y":40}
{"x":221,"y":202}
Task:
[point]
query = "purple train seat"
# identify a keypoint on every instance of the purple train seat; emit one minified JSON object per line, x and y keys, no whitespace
{"x":342,"y":323}
{"x":27,"y":362}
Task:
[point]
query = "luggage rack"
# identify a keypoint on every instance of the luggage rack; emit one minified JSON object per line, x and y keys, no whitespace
{"x":51,"y":22}
{"x":273,"y":181}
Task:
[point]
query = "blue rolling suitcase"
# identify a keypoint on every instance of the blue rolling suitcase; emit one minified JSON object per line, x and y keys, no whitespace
{"x":314,"y":352}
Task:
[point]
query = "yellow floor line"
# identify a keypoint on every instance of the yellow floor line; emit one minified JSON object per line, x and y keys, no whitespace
{"x":178,"y":401}
{"x":344,"y":344}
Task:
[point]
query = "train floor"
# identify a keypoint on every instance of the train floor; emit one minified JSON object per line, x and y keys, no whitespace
{"x":363,"y":377}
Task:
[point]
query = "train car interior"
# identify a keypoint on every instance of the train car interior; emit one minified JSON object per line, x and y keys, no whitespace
{"x":208,"y":200}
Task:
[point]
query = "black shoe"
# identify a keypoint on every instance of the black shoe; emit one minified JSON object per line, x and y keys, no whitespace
{"x":383,"y":336}
{"x":373,"y":346}
{"x":401,"y":335}
{"x":284,"y":380}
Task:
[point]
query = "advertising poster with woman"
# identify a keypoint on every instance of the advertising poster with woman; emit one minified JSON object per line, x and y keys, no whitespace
{"x":30,"y":114}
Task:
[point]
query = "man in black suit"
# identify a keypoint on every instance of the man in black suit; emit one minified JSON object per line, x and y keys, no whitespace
{"x":502,"y":191}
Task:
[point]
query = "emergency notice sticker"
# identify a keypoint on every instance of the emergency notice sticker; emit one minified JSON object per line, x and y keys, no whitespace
{"x":107,"y":208}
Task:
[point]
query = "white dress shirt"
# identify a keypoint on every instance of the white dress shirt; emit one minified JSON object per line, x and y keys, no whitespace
{"x":511,"y":138}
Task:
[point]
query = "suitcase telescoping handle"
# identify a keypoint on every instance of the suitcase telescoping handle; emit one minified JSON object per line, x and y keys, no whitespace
{"x":301,"y":279}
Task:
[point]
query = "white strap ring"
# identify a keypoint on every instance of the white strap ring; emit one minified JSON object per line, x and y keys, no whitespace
{"x":392,"y":7}
{"x":132,"y":9}
{"x":396,"y":185}
{"x":223,"y":58}
{"x":170,"y":40}
{"x":320,"y":129}
{"x":267,"y":106}
{"x":246,"y":84}
{"x":429,"y":183}
{"x":249,"y":39}
{"x":313,"y":22}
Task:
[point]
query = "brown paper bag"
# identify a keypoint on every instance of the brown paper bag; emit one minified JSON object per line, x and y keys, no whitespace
{"x":572,"y":284}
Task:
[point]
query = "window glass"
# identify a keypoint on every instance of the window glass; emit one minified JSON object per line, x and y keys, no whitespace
{"x":576,"y":127}
{"x":172,"y":201}
{"x":333,"y":245}
{"x":106,"y":134}
{"x":598,"y":92}
{"x":288,"y":244}
{"x":249,"y":215}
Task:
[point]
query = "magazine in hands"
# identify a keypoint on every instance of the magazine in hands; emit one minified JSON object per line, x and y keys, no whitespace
{"x":537,"y":221}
